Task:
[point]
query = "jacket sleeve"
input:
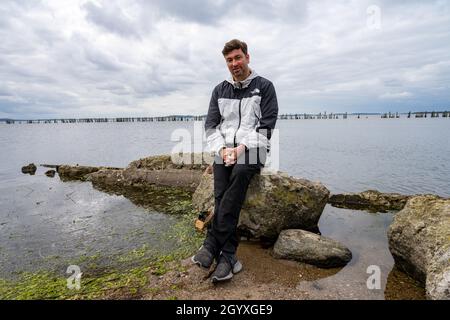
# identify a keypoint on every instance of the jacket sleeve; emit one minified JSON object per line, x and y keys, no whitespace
{"x":214,"y":139}
{"x":260,"y":137}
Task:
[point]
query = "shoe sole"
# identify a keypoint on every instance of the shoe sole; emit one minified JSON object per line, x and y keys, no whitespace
{"x":199,"y":263}
{"x":216,"y":279}
{"x":236,"y":268}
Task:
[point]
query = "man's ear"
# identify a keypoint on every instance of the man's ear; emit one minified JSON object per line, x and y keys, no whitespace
{"x":248,"y":57}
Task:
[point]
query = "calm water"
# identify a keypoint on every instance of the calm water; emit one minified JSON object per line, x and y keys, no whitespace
{"x":392,"y":155}
{"x":42,"y":218}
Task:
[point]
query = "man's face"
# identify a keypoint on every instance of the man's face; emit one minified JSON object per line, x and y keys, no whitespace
{"x":237,"y":63}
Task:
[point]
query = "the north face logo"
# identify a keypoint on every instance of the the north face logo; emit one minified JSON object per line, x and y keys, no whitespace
{"x":255,"y":91}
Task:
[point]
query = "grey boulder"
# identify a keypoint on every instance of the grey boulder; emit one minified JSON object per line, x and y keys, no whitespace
{"x":274,"y":202}
{"x":311,"y":248}
{"x":419,"y":240}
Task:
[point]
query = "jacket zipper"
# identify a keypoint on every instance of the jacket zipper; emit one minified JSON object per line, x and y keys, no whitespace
{"x":239,"y":125}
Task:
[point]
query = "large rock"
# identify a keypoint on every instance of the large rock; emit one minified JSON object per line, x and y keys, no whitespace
{"x":311,"y":248}
{"x":274,"y":202}
{"x":370,"y":200}
{"x":419,"y":240}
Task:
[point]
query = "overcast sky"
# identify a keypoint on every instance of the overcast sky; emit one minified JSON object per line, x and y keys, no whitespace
{"x":149,"y":58}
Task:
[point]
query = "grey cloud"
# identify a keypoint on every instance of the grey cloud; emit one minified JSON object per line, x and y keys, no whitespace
{"x":392,"y":82}
{"x":101,"y":60}
{"x":215,"y":12}
{"x":289,"y":11}
{"x":4,"y":93}
{"x":28,"y":104}
{"x":80,"y":62}
{"x":206,"y":12}
{"x":18,"y":73}
{"x":115,"y":88}
{"x":152,"y":86}
{"x":111,"y":18}
{"x":11,"y":109}
{"x":47,"y":36}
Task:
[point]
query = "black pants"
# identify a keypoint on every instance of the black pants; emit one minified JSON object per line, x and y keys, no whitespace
{"x":230,"y":188}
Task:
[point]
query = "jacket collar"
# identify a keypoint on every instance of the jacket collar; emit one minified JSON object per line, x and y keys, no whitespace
{"x":244,"y":83}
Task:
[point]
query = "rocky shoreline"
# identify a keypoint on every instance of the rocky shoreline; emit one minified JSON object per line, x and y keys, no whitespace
{"x":284,"y":211}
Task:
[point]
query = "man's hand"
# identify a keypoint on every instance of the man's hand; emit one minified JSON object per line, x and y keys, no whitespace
{"x":230,"y":155}
{"x":223,"y":153}
{"x":240,"y":150}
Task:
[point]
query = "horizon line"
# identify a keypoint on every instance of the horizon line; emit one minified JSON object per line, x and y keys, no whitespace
{"x":204,"y":115}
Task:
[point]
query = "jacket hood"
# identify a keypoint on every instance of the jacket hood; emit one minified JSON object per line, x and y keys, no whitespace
{"x":244,"y":83}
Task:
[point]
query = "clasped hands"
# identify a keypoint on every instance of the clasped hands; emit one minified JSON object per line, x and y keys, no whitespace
{"x":230,"y":155}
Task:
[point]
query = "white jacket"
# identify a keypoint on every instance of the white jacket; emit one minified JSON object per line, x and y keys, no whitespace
{"x":242,"y":112}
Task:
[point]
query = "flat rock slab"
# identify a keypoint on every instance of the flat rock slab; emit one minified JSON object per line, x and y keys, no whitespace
{"x":370,"y":200}
{"x":132,"y":177}
{"x":186,"y":161}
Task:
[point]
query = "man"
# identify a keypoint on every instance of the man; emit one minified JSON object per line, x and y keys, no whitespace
{"x":242,"y":114}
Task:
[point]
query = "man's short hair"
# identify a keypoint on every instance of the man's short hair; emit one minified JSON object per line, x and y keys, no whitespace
{"x":233,"y":45}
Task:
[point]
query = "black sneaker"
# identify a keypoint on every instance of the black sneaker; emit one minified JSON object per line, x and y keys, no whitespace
{"x":225,"y":269}
{"x":204,"y":258}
